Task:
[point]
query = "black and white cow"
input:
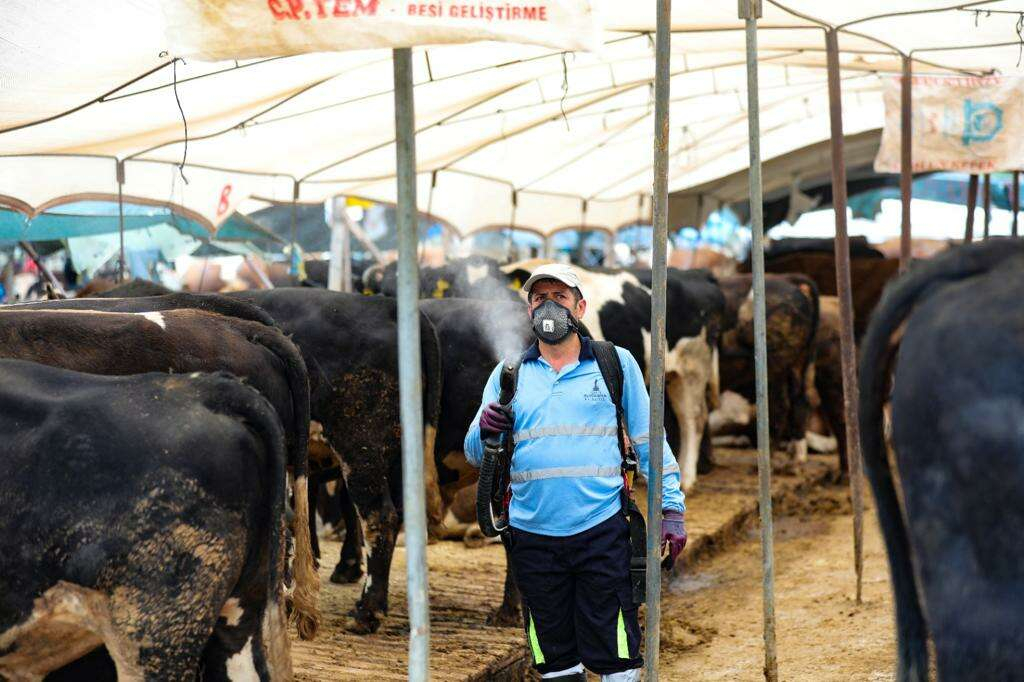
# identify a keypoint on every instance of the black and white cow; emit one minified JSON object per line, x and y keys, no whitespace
{"x":944,"y":349}
{"x":183,"y":341}
{"x":350,"y":345}
{"x":470,"y":277}
{"x":144,"y":514}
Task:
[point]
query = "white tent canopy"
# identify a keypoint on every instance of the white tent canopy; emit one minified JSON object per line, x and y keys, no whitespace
{"x":506,"y":134}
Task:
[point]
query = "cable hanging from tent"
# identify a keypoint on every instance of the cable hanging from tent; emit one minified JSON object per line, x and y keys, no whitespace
{"x":565,"y":88}
{"x":1019,"y":28}
{"x":184,"y":120}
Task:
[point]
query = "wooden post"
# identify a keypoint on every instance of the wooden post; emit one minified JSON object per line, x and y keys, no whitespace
{"x":848,"y":353}
{"x":972,"y":202}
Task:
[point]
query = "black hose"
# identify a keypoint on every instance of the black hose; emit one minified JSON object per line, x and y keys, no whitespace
{"x":489,"y":474}
{"x":485,"y":487}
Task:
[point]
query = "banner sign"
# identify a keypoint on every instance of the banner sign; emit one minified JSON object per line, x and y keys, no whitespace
{"x":960,"y":123}
{"x":244,"y":29}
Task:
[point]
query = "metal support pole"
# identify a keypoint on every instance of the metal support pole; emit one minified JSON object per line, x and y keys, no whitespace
{"x":120,"y":218}
{"x":410,"y":380}
{"x":847,"y":350}
{"x":258,"y":271}
{"x":662,"y":82}
{"x":987,"y":198}
{"x":972,"y":202}
{"x":906,"y":161}
{"x":750,"y":11}
{"x":43,"y":270}
{"x":293,"y":267}
{"x":339,"y":273}
{"x":1015,"y":199}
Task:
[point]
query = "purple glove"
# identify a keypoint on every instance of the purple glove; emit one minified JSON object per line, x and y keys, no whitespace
{"x":495,"y":419}
{"x":673,"y":534}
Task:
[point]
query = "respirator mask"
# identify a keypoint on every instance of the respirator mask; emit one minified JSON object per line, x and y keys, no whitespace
{"x":552,"y":322}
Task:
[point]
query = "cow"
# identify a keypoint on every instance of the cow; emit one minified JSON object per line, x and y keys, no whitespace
{"x":943,"y":352}
{"x":211,"y":303}
{"x":619,"y":310}
{"x":859,"y":247}
{"x":182,"y":341}
{"x":105,"y":288}
{"x":868,"y":277}
{"x":350,"y":345}
{"x":144,"y":514}
{"x":475,"y":336}
{"x":828,"y":376}
{"x":471,"y":277}
{"x":791,"y":303}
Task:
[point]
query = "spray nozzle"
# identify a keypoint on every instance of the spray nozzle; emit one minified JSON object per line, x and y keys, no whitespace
{"x":507,"y":383}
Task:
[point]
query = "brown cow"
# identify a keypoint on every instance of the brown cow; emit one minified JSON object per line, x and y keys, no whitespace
{"x":868,"y":277}
{"x":828,"y":375}
{"x":792,"y":318}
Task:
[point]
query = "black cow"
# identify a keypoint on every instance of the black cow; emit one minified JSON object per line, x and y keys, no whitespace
{"x":791,"y":303}
{"x":859,"y":247}
{"x":957,"y":399}
{"x":475,"y":336}
{"x":184,"y":341}
{"x":143,"y":513}
{"x":350,"y":345}
{"x":472,"y":277}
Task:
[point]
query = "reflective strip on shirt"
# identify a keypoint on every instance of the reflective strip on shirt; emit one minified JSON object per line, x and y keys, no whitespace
{"x":564,"y":472}
{"x":564,"y":430}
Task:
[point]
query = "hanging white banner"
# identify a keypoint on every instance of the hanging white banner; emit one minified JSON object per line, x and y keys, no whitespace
{"x":973,"y":124}
{"x":244,"y":29}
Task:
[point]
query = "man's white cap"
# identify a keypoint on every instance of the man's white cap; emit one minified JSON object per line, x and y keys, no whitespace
{"x":558,"y":271}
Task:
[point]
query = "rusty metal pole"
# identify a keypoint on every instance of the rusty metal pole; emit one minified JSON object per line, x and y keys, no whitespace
{"x":972,"y":203}
{"x":120,"y":219}
{"x":659,"y":343}
{"x":906,"y":161}
{"x":987,"y":199}
{"x":1015,"y":199}
{"x":848,"y":352}
{"x":750,"y":11}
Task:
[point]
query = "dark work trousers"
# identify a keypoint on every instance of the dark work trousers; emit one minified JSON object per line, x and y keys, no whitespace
{"x":578,"y":599}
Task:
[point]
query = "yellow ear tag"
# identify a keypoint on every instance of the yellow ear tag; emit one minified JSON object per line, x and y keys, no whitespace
{"x":442,"y":286}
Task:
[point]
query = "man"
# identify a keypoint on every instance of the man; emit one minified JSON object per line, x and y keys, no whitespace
{"x":569,"y":540}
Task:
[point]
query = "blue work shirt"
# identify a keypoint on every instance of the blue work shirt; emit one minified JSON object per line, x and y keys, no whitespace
{"x":566,"y":466}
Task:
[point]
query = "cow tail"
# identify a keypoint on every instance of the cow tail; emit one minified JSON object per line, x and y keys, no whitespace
{"x":261,"y":418}
{"x":306,"y":596}
{"x":433,"y":383}
{"x":878,"y":352}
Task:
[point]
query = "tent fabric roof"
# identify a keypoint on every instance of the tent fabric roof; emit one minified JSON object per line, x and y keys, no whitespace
{"x":506,"y":134}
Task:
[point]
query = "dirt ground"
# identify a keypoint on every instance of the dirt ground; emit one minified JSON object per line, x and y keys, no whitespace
{"x":711,"y":612}
{"x":712,"y":617}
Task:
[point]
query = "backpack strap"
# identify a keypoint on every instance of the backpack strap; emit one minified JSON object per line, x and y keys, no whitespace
{"x":611,"y":370}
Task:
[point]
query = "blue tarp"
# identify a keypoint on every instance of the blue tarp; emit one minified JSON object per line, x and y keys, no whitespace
{"x":94,"y":218}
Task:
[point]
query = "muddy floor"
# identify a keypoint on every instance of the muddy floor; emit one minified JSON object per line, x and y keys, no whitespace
{"x":712,"y":608}
{"x":712,"y":622}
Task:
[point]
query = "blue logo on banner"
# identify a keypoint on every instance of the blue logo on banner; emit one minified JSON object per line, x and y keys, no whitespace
{"x":982,"y":122}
